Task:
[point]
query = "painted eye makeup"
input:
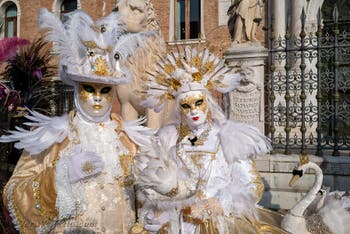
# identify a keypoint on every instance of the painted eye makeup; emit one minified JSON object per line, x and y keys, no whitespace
{"x":185,"y":106}
{"x":199,"y":102}
{"x":105,"y":90}
{"x":89,"y":88}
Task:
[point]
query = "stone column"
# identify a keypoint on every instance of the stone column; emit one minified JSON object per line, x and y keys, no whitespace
{"x":246,"y":103}
{"x":279,"y":12}
{"x":295,"y":21}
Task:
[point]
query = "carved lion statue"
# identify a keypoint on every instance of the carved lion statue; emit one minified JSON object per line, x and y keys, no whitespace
{"x":139,"y":15}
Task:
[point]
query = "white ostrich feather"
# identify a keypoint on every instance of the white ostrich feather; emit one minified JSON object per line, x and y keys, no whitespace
{"x":127,"y":44}
{"x":160,"y":172}
{"x":335,"y":212}
{"x":236,"y":199}
{"x":82,"y":21}
{"x":230,"y":81}
{"x":47,"y":131}
{"x":239,"y":141}
{"x":57,"y":34}
{"x":137,"y":133}
{"x":114,"y":26}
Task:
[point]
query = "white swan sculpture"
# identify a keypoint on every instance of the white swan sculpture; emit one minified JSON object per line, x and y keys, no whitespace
{"x":331,"y":214}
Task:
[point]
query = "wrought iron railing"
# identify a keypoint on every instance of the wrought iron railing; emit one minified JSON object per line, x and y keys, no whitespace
{"x":308,"y":89}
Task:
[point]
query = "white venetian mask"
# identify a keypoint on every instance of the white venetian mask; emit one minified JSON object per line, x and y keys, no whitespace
{"x":194,"y":108}
{"x":95,"y":99}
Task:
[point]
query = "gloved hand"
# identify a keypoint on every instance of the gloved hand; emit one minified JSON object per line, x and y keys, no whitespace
{"x":83,"y":165}
{"x":204,"y":209}
{"x":153,"y":224}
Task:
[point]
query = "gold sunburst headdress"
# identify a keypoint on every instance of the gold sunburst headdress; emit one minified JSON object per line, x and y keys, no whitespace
{"x":188,"y":70}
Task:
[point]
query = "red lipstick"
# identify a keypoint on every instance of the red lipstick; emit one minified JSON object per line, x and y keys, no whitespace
{"x":195,"y":118}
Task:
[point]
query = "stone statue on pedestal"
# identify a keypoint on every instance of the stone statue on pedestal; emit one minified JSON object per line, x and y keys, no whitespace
{"x":245,"y":16}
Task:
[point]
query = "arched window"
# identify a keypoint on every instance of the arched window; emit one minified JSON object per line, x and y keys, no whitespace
{"x":66,"y":7}
{"x":187,"y":19}
{"x":11,"y":21}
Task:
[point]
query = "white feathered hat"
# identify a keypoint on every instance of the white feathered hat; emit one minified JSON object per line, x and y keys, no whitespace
{"x":189,"y":70}
{"x":91,"y":51}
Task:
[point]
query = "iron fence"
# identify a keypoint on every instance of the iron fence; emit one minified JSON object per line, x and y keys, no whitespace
{"x":308,"y":89}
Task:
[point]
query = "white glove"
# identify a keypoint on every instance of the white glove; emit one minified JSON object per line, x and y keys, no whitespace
{"x":153,"y":224}
{"x":82,"y":165}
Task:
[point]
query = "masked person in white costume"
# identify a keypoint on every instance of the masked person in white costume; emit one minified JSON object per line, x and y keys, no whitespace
{"x":199,"y":178}
{"x":76,"y":172}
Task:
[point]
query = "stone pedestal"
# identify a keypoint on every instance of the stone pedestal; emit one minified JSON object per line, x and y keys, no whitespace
{"x":246,"y":103}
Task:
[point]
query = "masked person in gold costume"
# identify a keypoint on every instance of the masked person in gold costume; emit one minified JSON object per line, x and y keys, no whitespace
{"x":76,"y":172}
{"x":199,"y":177}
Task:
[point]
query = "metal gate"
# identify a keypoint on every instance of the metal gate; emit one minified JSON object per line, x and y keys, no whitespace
{"x":308,"y":89}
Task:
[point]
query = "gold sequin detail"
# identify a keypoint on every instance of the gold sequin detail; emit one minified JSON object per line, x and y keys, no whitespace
{"x":101,"y":67}
{"x":175,"y":84}
{"x":197,"y":77}
{"x":37,"y":200}
{"x":196,"y":61}
{"x":20,"y":221}
{"x":161,"y":80}
{"x":169,"y":68}
{"x":169,"y":96}
{"x":209,"y":67}
{"x":179,"y":63}
{"x":126,"y":162}
{"x":90,"y":44}
{"x":183,"y":130}
{"x":173,"y":192}
{"x":88,"y":167}
{"x":138,"y":229}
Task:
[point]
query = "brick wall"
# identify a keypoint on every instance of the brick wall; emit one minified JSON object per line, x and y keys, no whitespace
{"x":30,"y":9}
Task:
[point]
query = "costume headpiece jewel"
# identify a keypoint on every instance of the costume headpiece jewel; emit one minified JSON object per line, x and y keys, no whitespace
{"x":189,"y":70}
{"x":91,"y":51}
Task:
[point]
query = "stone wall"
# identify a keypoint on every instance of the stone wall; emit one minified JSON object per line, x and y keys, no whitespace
{"x":29,"y":12}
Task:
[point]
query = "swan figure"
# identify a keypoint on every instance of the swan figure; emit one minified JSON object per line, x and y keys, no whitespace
{"x":329,"y":213}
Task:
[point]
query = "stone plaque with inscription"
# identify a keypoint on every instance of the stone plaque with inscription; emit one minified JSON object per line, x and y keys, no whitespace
{"x":245,"y":106}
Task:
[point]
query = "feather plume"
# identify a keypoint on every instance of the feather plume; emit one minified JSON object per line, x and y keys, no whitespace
{"x":238,"y":200}
{"x":137,"y":133}
{"x":127,"y":44}
{"x":48,"y":131}
{"x":335,"y":212}
{"x":58,"y":35}
{"x":246,"y":139}
{"x":114,"y":27}
{"x":82,"y":21}
{"x":9,"y":47}
{"x":160,"y":174}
